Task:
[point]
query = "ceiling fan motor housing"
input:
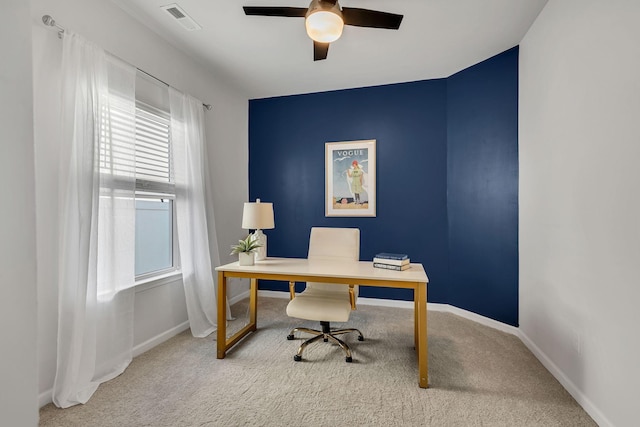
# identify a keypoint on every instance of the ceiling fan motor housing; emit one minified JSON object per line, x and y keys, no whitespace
{"x":329,"y":6}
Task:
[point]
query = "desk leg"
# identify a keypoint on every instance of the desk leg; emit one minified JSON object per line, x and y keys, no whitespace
{"x":253,"y":304}
{"x":415,"y":320}
{"x":423,"y":358}
{"x":225,"y":343}
{"x":222,"y":315}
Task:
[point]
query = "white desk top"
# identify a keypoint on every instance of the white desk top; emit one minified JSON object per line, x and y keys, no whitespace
{"x":329,"y":268}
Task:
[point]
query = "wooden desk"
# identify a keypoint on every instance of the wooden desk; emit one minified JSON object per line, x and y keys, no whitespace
{"x":303,"y":270}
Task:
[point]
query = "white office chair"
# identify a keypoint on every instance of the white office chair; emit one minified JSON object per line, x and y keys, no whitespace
{"x":327,"y":302}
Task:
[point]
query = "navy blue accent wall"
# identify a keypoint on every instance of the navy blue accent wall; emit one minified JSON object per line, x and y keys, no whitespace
{"x":424,"y":175}
{"x":482,"y":135}
{"x":287,"y":137}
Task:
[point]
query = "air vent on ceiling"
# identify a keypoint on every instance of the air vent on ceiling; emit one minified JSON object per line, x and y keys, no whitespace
{"x":181,"y":16}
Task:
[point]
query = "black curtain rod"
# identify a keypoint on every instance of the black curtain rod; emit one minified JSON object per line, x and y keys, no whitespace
{"x":50,"y":22}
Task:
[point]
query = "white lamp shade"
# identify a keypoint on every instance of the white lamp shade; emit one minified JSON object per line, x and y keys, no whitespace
{"x":324,"y":26}
{"x":257,"y":216}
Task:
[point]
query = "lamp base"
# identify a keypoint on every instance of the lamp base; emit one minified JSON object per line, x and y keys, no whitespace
{"x":261,"y":252}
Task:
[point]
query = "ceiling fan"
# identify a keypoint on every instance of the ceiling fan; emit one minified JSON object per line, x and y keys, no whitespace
{"x":324,"y":20}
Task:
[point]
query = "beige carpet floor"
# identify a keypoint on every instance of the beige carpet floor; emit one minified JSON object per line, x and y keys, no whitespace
{"x":478,"y":376}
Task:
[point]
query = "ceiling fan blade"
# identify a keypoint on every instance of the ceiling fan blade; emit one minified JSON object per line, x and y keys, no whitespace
{"x":320,"y":51}
{"x":371,"y":18}
{"x":292,"y":12}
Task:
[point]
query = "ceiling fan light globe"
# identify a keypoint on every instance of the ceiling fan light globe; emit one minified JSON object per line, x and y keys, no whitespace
{"x":324,"y":26}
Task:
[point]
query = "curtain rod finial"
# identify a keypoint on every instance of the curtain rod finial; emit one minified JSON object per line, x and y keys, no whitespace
{"x":48,"y":20}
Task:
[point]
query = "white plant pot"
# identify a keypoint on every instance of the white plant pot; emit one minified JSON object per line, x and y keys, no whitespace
{"x":245,"y":258}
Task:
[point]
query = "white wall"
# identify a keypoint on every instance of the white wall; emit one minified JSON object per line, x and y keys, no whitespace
{"x":159,"y":311}
{"x":18,"y":373}
{"x":580,"y":200}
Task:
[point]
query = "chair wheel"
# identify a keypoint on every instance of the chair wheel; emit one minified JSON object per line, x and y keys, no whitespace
{"x":290,"y":337}
{"x":360,"y":338}
{"x":348,"y":359}
{"x":297,"y":358}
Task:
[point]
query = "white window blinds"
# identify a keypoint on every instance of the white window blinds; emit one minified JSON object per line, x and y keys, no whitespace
{"x":149,"y":156}
{"x":153,"y":160}
{"x":117,"y":157}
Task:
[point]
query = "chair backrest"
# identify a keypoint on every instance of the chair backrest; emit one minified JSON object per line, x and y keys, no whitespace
{"x":334,"y":244}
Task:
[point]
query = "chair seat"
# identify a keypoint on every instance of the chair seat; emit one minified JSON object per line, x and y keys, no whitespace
{"x":319,"y":306}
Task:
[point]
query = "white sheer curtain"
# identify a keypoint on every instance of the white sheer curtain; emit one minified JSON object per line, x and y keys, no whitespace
{"x":189,"y":168}
{"x":96,"y":252}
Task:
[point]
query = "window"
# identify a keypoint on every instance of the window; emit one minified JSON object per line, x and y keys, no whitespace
{"x":154,"y":235}
{"x":150,"y":162}
{"x":156,"y":245}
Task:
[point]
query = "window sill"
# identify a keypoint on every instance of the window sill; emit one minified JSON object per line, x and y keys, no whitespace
{"x":159,"y":280}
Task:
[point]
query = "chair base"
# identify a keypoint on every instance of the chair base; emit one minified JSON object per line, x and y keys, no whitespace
{"x":326,"y":334}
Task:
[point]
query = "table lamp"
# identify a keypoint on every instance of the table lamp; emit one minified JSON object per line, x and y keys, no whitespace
{"x":258,"y":216}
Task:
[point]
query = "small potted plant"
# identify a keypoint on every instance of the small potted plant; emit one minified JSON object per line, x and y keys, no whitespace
{"x":246,"y":250}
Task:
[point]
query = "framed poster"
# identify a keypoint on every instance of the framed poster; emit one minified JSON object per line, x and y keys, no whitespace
{"x":350,"y":178}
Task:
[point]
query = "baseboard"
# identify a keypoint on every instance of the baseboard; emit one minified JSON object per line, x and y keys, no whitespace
{"x":574,"y":391}
{"x":47,"y":397}
{"x":513,"y":330}
{"x":159,"y":339}
{"x":409,"y":304}
{"x":385,"y":302}
{"x":272,"y":294}
{"x":245,"y":295}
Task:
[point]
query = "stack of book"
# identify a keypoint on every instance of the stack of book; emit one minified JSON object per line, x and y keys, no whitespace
{"x":389,"y":261}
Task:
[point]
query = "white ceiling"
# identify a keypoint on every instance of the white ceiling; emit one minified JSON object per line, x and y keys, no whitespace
{"x":272,"y":56}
